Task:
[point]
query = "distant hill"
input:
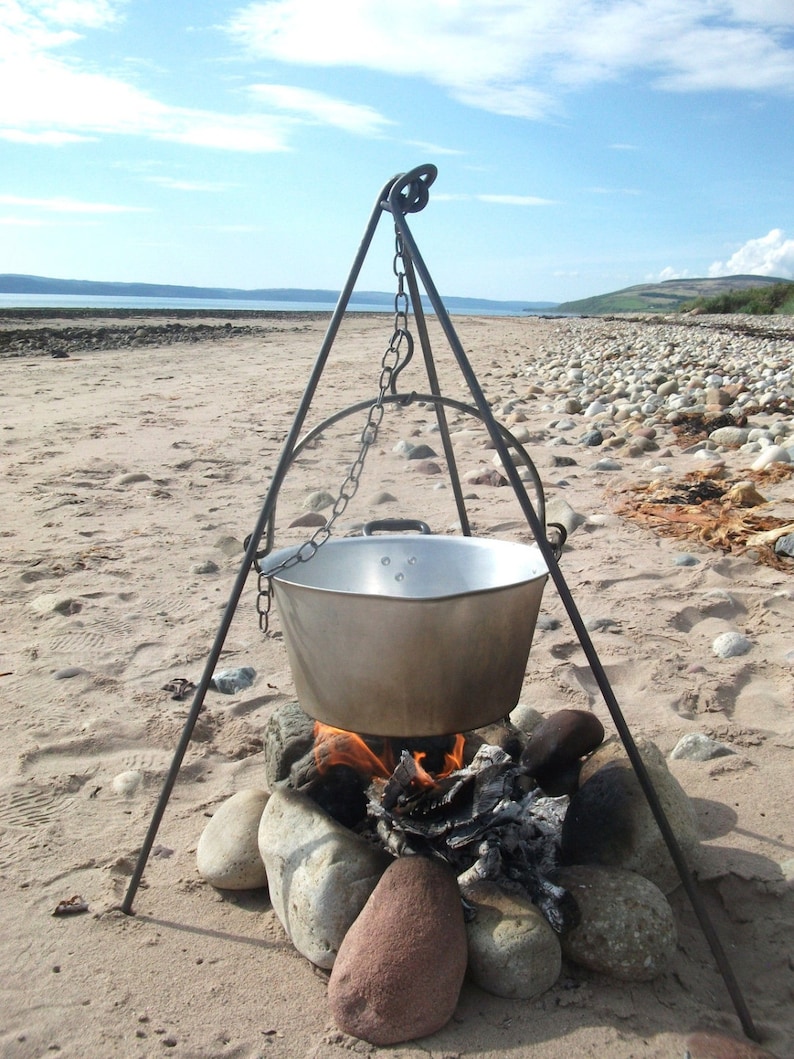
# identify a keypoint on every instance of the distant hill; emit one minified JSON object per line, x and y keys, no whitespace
{"x":665,"y":297}
{"x":43,"y":285}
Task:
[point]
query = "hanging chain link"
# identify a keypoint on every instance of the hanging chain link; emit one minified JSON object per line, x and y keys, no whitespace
{"x":396,"y":356}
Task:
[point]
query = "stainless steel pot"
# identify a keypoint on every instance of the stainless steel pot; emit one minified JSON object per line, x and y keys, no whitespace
{"x":401,"y":635}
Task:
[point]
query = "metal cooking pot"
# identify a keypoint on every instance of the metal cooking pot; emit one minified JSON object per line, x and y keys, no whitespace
{"x":401,"y":635}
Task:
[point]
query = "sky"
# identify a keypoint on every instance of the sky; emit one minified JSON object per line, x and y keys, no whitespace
{"x":582,"y":146}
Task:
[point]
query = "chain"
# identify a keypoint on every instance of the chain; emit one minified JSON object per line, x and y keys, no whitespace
{"x":396,"y":356}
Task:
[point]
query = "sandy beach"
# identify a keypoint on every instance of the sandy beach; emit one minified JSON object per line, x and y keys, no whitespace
{"x":137,"y":452}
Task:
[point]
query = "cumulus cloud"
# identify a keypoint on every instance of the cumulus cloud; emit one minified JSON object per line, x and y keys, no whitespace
{"x":770,"y":255}
{"x":516,"y":58}
{"x":669,"y":273}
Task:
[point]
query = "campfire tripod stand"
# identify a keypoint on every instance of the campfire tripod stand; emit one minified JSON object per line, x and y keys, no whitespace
{"x":409,"y":193}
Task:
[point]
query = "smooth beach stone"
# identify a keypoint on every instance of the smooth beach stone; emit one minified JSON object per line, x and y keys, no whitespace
{"x":422,"y":452}
{"x":559,"y":510}
{"x":513,"y":952}
{"x":207,"y":567}
{"x":68,"y":673}
{"x":557,"y":746}
{"x":525,"y":718}
{"x":731,"y":645}
{"x":591,"y":439}
{"x":309,"y":519}
{"x":609,"y":820}
{"x":288,"y":737}
{"x":401,"y":965}
{"x":785,"y":545}
{"x":730,"y":437}
{"x":685,"y":559}
{"x":695,"y":746}
{"x":127,"y":783}
{"x":772,"y":454}
{"x":318,"y":500}
{"x":319,"y":873}
{"x":607,"y":465}
{"x":230,"y":681}
{"x":227,"y":855}
{"x":627,"y":929}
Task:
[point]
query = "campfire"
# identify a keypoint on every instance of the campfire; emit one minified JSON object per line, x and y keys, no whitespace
{"x":483,"y":852}
{"x":469,"y":802}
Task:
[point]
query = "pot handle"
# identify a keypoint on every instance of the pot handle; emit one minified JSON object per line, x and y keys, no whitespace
{"x":395,"y":525}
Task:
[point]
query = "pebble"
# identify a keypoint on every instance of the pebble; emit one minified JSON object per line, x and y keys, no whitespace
{"x":609,"y":821}
{"x":695,"y":746}
{"x":685,"y":559}
{"x":770,"y":455}
{"x":230,"y":681}
{"x":513,"y":952}
{"x":68,"y":673}
{"x":318,"y":500}
{"x":627,"y":929}
{"x":731,"y":644}
{"x":319,"y":873}
{"x":607,"y":465}
{"x":127,"y":783}
{"x":228,"y":855}
{"x":557,"y":746}
{"x":401,"y":966}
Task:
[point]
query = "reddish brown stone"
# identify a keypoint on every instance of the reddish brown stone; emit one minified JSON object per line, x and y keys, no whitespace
{"x":400,"y":968}
{"x":557,"y":745}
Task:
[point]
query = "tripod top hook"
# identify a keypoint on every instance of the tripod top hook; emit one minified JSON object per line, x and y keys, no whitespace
{"x":410,"y":192}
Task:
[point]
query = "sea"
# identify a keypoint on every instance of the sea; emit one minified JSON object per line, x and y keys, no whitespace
{"x":109,"y":302}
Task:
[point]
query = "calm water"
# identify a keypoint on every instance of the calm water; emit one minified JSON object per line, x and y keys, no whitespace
{"x":77,"y":301}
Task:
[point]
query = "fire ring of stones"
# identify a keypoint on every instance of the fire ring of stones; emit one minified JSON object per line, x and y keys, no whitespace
{"x":495,"y":853}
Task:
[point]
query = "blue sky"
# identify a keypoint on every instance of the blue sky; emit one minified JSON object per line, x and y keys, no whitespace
{"x":582,"y":145}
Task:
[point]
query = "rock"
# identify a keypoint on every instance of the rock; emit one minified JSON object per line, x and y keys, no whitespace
{"x":318,"y":500}
{"x":698,"y":747}
{"x":310,"y":519}
{"x":230,"y":681}
{"x":559,"y":510}
{"x":319,"y":873}
{"x":627,"y":929}
{"x":591,"y":438}
{"x":422,"y":452}
{"x":769,"y":455}
{"x":513,"y":952}
{"x":685,"y":559}
{"x":609,"y":821}
{"x":227,"y":855}
{"x":525,"y":718}
{"x":127,"y":783}
{"x":785,"y":545}
{"x":729,"y":437}
{"x":288,"y":736}
{"x":556,"y":747}
{"x":207,"y":567}
{"x":68,"y":673}
{"x":401,"y":965}
{"x":731,"y":645}
{"x":607,"y":464}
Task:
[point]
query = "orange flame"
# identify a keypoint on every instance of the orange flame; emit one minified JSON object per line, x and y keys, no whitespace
{"x":335,"y":746}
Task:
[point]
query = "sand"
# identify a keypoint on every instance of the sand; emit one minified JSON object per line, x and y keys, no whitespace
{"x":133,"y":470}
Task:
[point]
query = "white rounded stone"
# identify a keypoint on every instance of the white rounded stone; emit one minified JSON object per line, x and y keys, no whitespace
{"x":228,"y":854}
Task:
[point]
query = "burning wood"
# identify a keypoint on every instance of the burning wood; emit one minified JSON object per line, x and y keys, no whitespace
{"x":484,"y":820}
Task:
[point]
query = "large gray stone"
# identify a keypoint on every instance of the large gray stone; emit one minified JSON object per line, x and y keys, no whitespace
{"x":401,"y":966}
{"x":513,"y":952}
{"x":627,"y":929}
{"x":320,"y":874}
{"x":609,"y":821}
{"x":227,"y":855}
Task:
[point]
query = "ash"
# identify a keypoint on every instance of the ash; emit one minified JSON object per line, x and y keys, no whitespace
{"x":488,"y":820}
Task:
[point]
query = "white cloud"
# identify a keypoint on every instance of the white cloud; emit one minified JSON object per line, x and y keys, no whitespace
{"x":499,"y":200}
{"x":669,"y":273}
{"x":771,"y":255}
{"x":321,"y":109}
{"x":517,"y":58}
{"x":67,"y":205}
{"x":175,"y":184}
{"x":46,"y":99}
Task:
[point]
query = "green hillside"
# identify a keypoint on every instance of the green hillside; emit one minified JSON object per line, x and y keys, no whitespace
{"x":667,"y":297}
